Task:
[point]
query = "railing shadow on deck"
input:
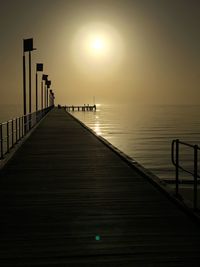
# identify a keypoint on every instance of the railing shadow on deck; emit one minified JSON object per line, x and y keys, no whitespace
{"x":12,"y":131}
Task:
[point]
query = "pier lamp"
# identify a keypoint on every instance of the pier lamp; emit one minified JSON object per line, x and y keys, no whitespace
{"x":52,"y":97}
{"x":39,"y":68}
{"x":43,"y":94}
{"x":48,"y":84}
{"x":27,"y":47}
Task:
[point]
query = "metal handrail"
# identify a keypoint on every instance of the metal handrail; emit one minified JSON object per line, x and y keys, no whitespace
{"x":176,"y":162}
{"x":14,"y":130}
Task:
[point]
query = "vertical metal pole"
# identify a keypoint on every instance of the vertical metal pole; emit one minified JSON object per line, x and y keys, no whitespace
{"x":195,"y":176}
{"x":23,"y":119}
{"x":12,"y":133}
{"x":36,"y":97}
{"x":1,"y":139}
{"x":47,"y":97}
{"x":24,"y":89}
{"x":42,"y":95}
{"x":36,"y":93}
{"x":30,"y":93}
{"x":8,"y":139}
{"x":22,"y":126}
{"x":16,"y":129}
{"x":19,"y":128}
{"x":30,"y":108}
{"x":177,"y":167}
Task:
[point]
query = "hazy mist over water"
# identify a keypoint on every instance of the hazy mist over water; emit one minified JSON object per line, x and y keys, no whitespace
{"x":145,"y":132}
{"x":150,"y":50}
{"x":8,"y":112}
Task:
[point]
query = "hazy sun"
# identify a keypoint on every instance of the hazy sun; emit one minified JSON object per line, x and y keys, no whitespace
{"x":97,"y":46}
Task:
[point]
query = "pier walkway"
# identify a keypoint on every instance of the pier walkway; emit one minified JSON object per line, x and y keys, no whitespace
{"x":66,"y":199}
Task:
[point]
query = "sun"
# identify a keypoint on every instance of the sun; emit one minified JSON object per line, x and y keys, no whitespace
{"x":97,"y":47}
{"x":98,"y":44}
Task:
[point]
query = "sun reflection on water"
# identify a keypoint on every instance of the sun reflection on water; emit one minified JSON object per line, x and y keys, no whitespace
{"x":97,"y":128}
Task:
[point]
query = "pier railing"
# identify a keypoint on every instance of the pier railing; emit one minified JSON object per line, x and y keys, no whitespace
{"x":175,"y":156}
{"x":81,"y":108}
{"x":12,"y":131}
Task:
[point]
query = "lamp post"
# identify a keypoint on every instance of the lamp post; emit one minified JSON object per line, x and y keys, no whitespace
{"x":48,"y":84}
{"x":24,"y":84}
{"x":51,"y":95}
{"x":44,"y":78}
{"x":53,"y":98}
{"x":42,"y":94}
{"x":27,"y":47}
{"x":50,"y":92}
{"x":39,"y":67}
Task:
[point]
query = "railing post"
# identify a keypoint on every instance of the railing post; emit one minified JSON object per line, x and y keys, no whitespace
{"x":195,"y":176}
{"x":12,"y":133}
{"x":19,"y":129}
{"x":36,"y":116}
{"x":1,"y":139}
{"x":177,"y":167}
{"x":22,"y":126}
{"x":26,"y":124}
{"x":16,"y":130}
{"x":8,"y":139}
{"x":29,"y":122}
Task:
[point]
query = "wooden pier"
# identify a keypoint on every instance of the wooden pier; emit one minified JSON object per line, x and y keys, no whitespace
{"x":81,"y":108}
{"x":66,"y":199}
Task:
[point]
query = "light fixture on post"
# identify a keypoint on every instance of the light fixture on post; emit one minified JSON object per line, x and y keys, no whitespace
{"x":43,"y":93}
{"x":51,"y":98}
{"x":27,"y":47}
{"x":39,"y":67}
{"x":48,"y":84}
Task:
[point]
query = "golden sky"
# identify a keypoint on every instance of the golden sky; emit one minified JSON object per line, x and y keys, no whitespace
{"x":142,"y":51}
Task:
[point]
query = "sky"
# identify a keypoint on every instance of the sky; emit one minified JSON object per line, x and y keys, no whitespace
{"x":118,"y":51}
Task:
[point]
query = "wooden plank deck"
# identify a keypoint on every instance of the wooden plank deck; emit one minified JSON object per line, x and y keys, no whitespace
{"x":64,"y":187}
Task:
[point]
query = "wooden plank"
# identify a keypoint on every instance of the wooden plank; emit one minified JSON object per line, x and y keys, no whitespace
{"x":64,"y":187}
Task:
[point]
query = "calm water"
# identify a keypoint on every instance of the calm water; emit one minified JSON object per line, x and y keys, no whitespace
{"x":145,"y":132}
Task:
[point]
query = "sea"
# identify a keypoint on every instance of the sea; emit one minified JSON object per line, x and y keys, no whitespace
{"x":143,"y":132}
